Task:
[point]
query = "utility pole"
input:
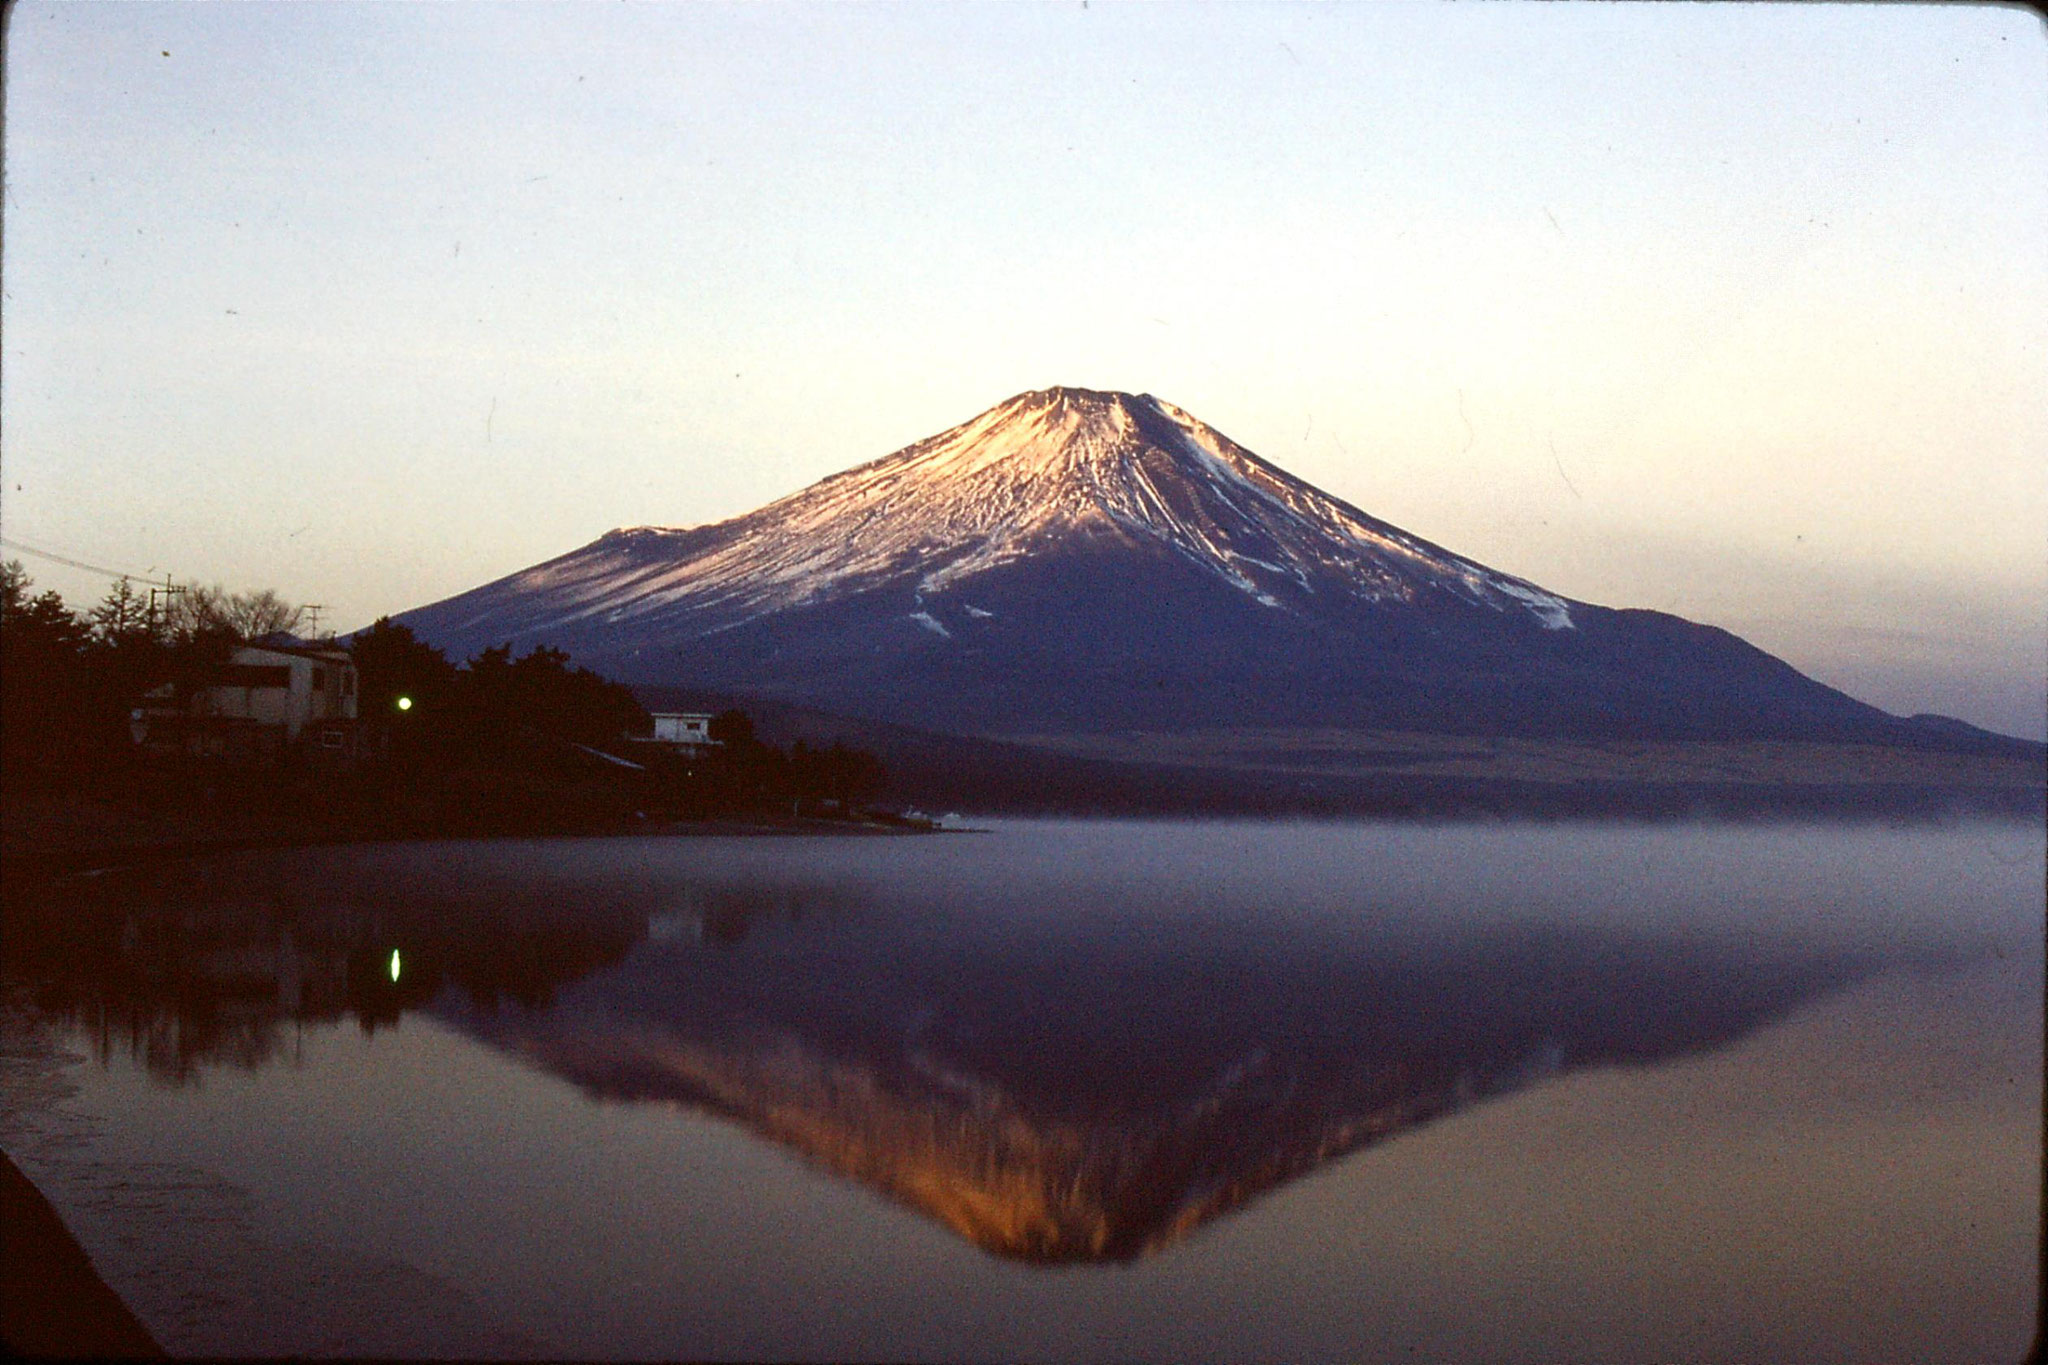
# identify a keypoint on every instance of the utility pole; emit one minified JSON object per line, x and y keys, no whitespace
{"x":313,"y":610}
{"x":168,"y":591}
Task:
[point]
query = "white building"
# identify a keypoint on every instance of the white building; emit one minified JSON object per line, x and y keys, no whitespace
{"x":293,"y":686}
{"x":266,"y":698}
{"x":690,"y":729}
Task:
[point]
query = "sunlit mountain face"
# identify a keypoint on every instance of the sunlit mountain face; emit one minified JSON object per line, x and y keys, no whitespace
{"x":1076,"y":561}
{"x":1053,"y":1081}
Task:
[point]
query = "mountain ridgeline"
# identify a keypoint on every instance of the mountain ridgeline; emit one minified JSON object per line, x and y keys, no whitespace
{"x":1080,"y":562}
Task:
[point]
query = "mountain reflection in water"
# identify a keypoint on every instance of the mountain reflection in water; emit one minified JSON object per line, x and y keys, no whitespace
{"x":1053,"y":1083}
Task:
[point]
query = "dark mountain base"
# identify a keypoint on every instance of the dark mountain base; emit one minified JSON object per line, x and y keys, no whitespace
{"x":1104,"y":638}
{"x":1406,"y":774}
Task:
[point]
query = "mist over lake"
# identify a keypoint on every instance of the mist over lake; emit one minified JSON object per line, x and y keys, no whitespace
{"x":1060,"y":1091}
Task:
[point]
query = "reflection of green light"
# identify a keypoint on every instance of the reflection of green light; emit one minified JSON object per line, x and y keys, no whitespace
{"x":394,"y":964}
{"x":405,"y":703}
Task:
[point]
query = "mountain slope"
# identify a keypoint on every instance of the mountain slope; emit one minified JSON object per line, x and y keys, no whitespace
{"x":1075,"y":561}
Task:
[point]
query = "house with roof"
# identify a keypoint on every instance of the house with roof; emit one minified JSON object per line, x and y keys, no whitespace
{"x":276,"y":696}
{"x":687,"y":730}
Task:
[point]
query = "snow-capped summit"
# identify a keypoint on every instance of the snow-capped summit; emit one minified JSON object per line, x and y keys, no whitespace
{"x":1080,"y":559}
{"x":1044,"y":467}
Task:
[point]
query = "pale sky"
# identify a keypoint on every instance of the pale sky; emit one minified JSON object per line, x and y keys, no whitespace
{"x":1739,"y":312}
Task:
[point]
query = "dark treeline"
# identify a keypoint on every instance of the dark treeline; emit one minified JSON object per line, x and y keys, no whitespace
{"x":493,"y":707}
{"x":518,"y":737}
{"x":68,"y":680}
{"x":498,"y":744}
{"x":743,"y":772}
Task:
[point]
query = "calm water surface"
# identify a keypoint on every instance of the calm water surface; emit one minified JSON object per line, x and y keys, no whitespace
{"x":1063,"y":1091}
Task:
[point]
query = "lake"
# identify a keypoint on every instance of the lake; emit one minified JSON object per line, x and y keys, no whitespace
{"x":1061,"y":1091}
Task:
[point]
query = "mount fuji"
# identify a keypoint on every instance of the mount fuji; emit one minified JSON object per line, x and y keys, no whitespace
{"x":1082,"y":562}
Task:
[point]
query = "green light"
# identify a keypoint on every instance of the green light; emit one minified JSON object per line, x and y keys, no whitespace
{"x":405,"y":703}
{"x":394,"y":964}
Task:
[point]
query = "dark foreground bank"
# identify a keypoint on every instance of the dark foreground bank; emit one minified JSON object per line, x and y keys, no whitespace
{"x":53,"y":1304}
{"x":43,"y":835}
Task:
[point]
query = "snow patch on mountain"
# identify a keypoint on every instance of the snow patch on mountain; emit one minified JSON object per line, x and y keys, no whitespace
{"x":1551,"y":611}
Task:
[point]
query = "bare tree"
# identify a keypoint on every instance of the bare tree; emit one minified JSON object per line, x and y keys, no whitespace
{"x":240,"y":615}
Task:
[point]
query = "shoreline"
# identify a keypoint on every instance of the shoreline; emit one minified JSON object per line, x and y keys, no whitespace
{"x":62,"y":837}
{"x":85,"y":861}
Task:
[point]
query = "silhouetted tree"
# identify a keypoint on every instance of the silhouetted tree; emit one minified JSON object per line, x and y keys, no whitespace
{"x":123,"y":616}
{"x":741,"y":773}
{"x":541,"y":692}
{"x":851,"y":775}
{"x":242,"y":616}
{"x":733,"y":727}
{"x":392,"y":662}
{"x":36,"y":625}
{"x":837,"y":774}
{"x":44,"y":677}
{"x":129,"y":650}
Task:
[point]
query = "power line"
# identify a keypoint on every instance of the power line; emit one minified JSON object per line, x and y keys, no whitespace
{"x":66,"y":559}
